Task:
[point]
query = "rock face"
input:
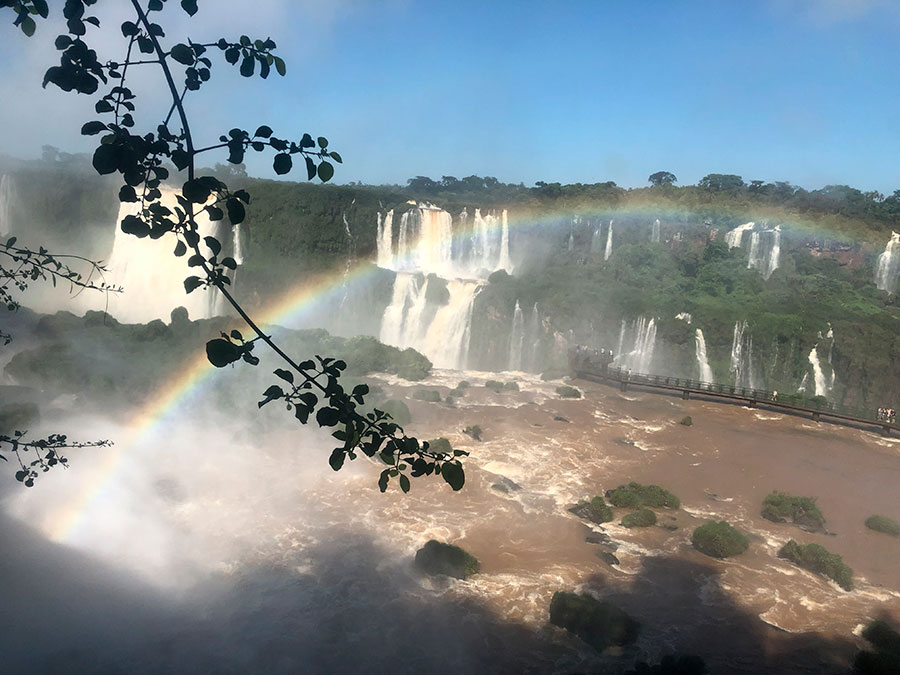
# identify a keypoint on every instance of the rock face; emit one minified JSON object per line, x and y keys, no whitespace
{"x":436,"y":558}
{"x":506,"y":485}
{"x":600,"y":624}
{"x":596,"y":510}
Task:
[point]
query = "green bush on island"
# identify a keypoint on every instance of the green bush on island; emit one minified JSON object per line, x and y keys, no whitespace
{"x":818,"y":559}
{"x":494,"y":385}
{"x":687,"y":421}
{"x":436,"y":558}
{"x":463,"y":384}
{"x":430,"y":395}
{"x":440,"y":445}
{"x":884,"y":658}
{"x":474,"y":431}
{"x":565,"y":391}
{"x":450,"y":401}
{"x":781,"y":508}
{"x":511,"y":386}
{"x":600,"y":624}
{"x":719,"y":540}
{"x":398,"y":410}
{"x":634,"y":496}
{"x":883,"y":524}
{"x":641,"y":518}
{"x":596,"y":510}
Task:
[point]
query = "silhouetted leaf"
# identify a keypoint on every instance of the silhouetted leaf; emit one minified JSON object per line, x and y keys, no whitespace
{"x":213,"y":245}
{"x":247,"y":66}
{"x":192,"y":283}
{"x":272,"y":393}
{"x":404,"y":482}
{"x":285,"y":375}
{"x":222,"y":352}
{"x":263,"y":131}
{"x":92,"y":128}
{"x":279,"y":66}
{"x":282,"y":164}
{"x":337,"y":459}
{"x":183,"y":54}
{"x":454,"y":475}
{"x":236,"y":210}
{"x":189,"y":6}
{"x":326,"y":171}
{"x":106,"y":158}
{"x":328,"y":417}
{"x":180,"y":248}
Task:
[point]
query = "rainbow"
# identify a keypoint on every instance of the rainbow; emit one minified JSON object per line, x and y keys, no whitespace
{"x":193,"y":379}
{"x":289,"y":309}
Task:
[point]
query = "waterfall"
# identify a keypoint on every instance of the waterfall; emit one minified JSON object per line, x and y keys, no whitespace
{"x":516,"y":339}
{"x":571,"y":244}
{"x":887,"y":271}
{"x":533,"y":339}
{"x":765,"y":246}
{"x":426,"y":255}
{"x":504,"y":262}
{"x":823,"y":374}
{"x":654,"y":233}
{"x":684,"y":316}
{"x":735,"y":237}
{"x":608,"y":251}
{"x":446,"y":341}
{"x":385,"y":238}
{"x":595,"y":240}
{"x":237,"y":246}
{"x":6,"y":191}
{"x":818,"y":373}
{"x":774,"y":259}
{"x":402,"y":259}
{"x":641,"y":337}
{"x":152,"y":277}
{"x":706,"y":374}
{"x":741,"y":367}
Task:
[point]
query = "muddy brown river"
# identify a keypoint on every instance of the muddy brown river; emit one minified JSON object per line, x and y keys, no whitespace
{"x":269,"y":562}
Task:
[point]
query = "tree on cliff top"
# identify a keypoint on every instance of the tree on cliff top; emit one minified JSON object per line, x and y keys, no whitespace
{"x":142,"y":159}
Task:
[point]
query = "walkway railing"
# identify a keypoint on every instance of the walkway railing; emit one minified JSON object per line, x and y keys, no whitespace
{"x":815,"y":408}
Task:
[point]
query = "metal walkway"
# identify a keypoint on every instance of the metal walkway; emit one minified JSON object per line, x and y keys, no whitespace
{"x":750,"y":397}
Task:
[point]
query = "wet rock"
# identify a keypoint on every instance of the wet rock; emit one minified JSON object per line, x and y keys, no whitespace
{"x":607,"y":557}
{"x":596,"y":510}
{"x":560,"y":418}
{"x":506,"y":485}
{"x":602,"y":539}
{"x":601,"y":624}
{"x":436,"y":558}
{"x":625,"y":441}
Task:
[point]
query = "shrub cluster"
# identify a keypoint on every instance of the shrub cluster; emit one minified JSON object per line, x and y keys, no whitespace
{"x":687,"y":421}
{"x":565,"y":391}
{"x":474,"y":431}
{"x":884,"y":658}
{"x":817,"y":559}
{"x":600,"y":624}
{"x":883,"y":524}
{"x":634,"y":496}
{"x":436,"y":558}
{"x":398,"y":410}
{"x":596,"y":510}
{"x":641,"y":518}
{"x":494,"y":386}
{"x":781,"y":508}
{"x":440,"y":445}
{"x":719,"y":540}
{"x":430,"y":395}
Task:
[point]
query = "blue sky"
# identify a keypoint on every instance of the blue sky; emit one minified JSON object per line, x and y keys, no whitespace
{"x":798,"y":90}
